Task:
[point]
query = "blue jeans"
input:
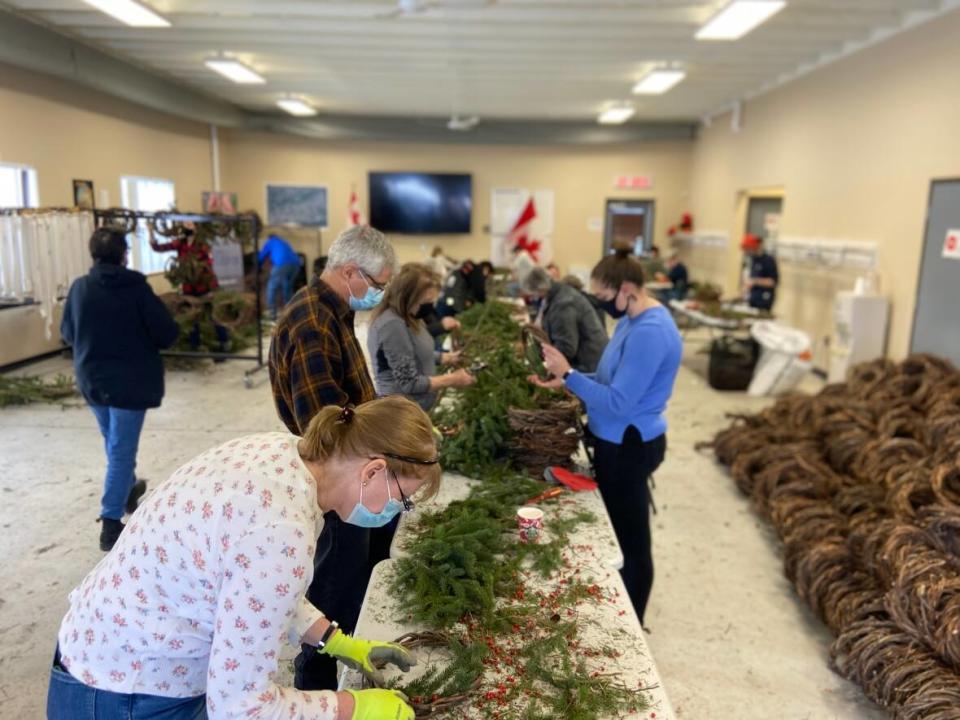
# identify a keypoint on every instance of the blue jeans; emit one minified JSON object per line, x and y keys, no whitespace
{"x":121,"y":435}
{"x":281,"y":278}
{"x":70,"y":699}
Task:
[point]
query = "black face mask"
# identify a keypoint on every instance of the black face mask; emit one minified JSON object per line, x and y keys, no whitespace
{"x":610,"y":308}
{"x":424,"y":310}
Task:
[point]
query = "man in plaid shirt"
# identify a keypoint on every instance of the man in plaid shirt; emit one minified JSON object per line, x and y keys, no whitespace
{"x":316,"y":360}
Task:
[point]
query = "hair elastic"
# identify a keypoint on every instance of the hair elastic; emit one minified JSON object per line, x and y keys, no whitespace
{"x":346,"y":414}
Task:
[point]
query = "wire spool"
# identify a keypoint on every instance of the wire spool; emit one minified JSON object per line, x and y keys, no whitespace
{"x":533,"y":341}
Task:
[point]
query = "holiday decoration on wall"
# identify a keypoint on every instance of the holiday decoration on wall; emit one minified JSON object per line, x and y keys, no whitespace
{"x":521,"y":217}
{"x":354,"y":215}
{"x":225,"y":203}
{"x":685,"y":226}
{"x":520,"y":237}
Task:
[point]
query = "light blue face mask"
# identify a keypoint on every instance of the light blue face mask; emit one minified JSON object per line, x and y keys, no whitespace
{"x":371,"y":298}
{"x":364,"y":517}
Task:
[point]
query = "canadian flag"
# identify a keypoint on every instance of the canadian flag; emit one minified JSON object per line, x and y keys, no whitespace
{"x":519,"y":236}
{"x":353,"y":211}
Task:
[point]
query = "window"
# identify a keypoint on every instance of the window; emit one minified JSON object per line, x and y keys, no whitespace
{"x":146,"y":195}
{"x":18,"y":186}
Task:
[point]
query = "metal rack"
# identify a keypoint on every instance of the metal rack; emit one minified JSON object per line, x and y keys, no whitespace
{"x":127,"y":221}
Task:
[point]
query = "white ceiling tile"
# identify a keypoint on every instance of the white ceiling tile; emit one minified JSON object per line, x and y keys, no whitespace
{"x":506,"y":58}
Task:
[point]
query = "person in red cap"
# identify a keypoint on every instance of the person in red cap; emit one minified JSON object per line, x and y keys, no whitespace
{"x":764,"y":275}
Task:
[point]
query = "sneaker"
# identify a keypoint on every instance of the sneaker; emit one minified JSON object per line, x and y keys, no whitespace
{"x":110,"y":530}
{"x":136,"y":492}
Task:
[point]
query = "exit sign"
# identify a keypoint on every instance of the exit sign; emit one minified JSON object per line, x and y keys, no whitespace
{"x":633,"y":182}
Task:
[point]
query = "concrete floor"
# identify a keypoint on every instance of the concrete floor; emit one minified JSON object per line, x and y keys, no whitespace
{"x":730,"y":638}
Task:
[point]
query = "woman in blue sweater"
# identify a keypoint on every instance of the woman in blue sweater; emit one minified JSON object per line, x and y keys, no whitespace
{"x":626,"y":399}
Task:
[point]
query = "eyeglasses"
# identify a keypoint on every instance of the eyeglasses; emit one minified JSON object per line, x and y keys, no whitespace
{"x":412,"y":460}
{"x":407,"y":503}
{"x":370,"y":281}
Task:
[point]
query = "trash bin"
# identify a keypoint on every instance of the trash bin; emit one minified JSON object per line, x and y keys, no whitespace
{"x":732,"y":361}
{"x":784,"y":358}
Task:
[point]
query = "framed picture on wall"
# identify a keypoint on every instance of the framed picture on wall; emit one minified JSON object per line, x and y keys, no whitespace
{"x":83,"y":194}
{"x":220,"y":202}
{"x":304,"y":205}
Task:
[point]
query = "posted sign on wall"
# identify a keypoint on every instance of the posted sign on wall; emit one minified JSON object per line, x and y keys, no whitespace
{"x":951,"y":245}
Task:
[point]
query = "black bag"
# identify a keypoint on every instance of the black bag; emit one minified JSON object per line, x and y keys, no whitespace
{"x":732,"y":362}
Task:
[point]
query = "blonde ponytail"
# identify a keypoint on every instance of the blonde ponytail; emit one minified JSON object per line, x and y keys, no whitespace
{"x":388,"y":428}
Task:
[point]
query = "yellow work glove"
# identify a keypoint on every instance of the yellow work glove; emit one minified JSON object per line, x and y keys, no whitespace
{"x":380,"y":705}
{"x":362,"y":654}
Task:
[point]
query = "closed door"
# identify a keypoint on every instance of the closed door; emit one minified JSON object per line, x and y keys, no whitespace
{"x":936,"y":323}
{"x":628,"y":223}
{"x":763,"y":218}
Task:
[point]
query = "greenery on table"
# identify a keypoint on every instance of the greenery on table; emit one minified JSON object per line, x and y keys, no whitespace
{"x":514,"y":642}
{"x":476,"y":420}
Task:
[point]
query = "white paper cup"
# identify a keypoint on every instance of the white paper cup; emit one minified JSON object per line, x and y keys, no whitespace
{"x":530,"y":522}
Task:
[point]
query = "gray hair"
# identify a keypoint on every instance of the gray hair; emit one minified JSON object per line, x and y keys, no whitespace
{"x":365,"y":246}
{"x":537,"y":280}
{"x":572,"y":281}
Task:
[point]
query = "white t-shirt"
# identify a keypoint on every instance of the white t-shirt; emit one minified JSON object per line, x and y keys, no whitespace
{"x":205,"y":584}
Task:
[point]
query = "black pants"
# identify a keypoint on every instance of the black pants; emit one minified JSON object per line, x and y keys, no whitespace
{"x":622,"y":472}
{"x":345,"y":557}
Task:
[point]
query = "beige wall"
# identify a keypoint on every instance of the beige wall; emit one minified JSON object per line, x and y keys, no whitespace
{"x":854,"y":146}
{"x":66,"y":132}
{"x":582,"y":180}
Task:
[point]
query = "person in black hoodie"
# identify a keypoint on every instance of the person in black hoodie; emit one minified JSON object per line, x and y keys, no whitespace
{"x":117,"y":325}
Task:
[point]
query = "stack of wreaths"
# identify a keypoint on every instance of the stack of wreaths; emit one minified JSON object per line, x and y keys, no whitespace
{"x":862,"y":484}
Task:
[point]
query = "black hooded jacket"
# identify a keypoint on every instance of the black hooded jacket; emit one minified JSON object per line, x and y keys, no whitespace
{"x":117,"y":325}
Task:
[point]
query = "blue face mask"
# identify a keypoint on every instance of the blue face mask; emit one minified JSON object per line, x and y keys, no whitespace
{"x":369,"y":301}
{"x":364,"y":517}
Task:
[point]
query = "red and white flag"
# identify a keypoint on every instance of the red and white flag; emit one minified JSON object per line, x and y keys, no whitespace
{"x":353,"y":211}
{"x":519,"y":237}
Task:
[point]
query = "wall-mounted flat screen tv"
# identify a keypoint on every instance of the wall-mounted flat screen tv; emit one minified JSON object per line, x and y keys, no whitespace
{"x":413,"y":203}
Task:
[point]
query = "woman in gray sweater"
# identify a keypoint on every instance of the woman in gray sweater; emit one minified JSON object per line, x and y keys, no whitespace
{"x":401,"y":348}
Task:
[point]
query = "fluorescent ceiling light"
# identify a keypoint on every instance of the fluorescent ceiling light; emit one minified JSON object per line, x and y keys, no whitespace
{"x":738,"y":18}
{"x":658,"y":82}
{"x":296,"y":107}
{"x":129,"y":12}
{"x":616,"y":114}
{"x":235,"y":70}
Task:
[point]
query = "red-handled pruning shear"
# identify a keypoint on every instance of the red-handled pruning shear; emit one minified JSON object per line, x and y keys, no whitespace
{"x":546,"y":495}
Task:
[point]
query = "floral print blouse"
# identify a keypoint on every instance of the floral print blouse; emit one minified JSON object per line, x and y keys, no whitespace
{"x":205,"y":584}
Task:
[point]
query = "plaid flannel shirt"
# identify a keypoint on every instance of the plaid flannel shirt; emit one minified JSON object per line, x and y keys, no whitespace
{"x":315,"y":357}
